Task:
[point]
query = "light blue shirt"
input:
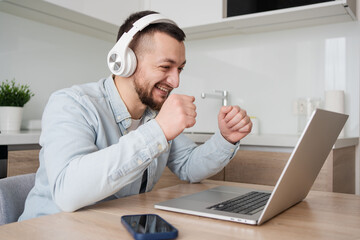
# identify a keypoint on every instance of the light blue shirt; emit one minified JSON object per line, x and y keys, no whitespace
{"x":88,"y":155}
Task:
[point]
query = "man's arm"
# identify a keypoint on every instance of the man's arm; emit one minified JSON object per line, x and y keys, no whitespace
{"x":194,"y":163}
{"x":79,"y":171}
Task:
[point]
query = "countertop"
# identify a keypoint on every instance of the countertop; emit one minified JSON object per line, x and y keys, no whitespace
{"x":272,"y":140}
{"x":263,"y":141}
{"x":20,"y":140}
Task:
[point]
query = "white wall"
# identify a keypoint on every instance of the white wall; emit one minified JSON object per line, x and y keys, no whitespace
{"x":48,"y":58}
{"x":266,"y":72}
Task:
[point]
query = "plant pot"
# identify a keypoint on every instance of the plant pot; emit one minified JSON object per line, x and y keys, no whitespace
{"x":10,"y":118}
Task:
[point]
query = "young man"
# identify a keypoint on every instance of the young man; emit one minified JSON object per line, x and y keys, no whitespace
{"x":113,"y":138}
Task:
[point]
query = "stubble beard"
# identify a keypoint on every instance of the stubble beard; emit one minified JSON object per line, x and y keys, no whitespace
{"x":145,"y":95}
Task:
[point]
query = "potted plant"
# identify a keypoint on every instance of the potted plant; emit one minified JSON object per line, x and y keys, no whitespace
{"x":12,"y":100}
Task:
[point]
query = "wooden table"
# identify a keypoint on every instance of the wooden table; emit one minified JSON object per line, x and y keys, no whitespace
{"x":322,"y":215}
{"x":16,"y":140}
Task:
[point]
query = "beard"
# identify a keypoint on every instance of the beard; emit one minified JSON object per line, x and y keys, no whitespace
{"x":145,"y":95}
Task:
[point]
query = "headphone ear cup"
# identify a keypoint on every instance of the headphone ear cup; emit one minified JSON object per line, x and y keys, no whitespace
{"x":130,"y":63}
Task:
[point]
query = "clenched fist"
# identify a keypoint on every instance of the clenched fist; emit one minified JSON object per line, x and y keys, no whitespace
{"x":234,"y":123}
{"x":176,"y":114}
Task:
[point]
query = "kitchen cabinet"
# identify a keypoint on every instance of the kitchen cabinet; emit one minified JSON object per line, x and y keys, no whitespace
{"x":111,"y":11}
{"x":205,"y":19}
{"x":262,"y":158}
{"x":264,"y":168}
{"x":256,"y":167}
{"x":55,"y":15}
{"x":188,"y":13}
{"x":199,"y":19}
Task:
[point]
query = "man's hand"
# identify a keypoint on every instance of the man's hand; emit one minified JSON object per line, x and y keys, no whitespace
{"x":176,"y":114}
{"x":234,"y":123}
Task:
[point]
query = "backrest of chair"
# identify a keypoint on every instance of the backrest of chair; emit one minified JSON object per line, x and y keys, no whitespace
{"x":13,"y":193}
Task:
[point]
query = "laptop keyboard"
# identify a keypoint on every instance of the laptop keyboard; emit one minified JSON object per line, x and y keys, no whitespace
{"x":249,"y":203}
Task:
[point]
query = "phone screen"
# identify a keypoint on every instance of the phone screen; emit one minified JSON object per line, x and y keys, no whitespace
{"x":149,"y":224}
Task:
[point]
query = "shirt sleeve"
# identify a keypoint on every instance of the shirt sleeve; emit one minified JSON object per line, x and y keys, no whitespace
{"x":194,"y":163}
{"x":80,"y":172}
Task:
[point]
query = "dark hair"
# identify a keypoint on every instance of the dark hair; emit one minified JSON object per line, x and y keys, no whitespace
{"x":168,"y":28}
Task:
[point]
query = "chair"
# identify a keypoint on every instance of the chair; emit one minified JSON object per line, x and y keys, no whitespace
{"x":13,"y":193}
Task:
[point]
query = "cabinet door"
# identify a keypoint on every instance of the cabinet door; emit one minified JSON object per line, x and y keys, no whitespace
{"x":256,"y":167}
{"x":111,"y":11}
{"x":187,"y":13}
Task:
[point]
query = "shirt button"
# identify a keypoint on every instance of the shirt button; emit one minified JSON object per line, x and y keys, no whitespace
{"x":231,"y":150}
{"x":159,"y":146}
{"x":139,"y":161}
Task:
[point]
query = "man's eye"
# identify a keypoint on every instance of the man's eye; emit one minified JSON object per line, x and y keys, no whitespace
{"x":165,"y":67}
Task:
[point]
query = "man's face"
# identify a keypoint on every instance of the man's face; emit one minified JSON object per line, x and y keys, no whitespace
{"x":158,"y":70}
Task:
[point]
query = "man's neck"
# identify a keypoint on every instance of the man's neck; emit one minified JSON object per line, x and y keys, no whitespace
{"x":131,"y":99}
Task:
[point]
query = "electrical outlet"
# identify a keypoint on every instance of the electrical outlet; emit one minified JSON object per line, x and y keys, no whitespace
{"x":299,"y":107}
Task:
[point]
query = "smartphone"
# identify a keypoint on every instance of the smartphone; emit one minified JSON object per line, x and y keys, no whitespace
{"x":148,"y":226}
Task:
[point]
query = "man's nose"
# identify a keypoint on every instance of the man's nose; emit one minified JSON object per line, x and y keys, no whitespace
{"x":174,"y":78}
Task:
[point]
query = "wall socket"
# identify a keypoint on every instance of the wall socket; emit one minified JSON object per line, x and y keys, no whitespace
{"x":305,"y":107}
{"x":299,"y":107}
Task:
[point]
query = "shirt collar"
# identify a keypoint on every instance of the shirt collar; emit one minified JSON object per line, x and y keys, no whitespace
{"x":118,"y":106}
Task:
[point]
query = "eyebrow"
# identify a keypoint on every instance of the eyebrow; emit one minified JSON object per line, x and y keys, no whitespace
{"x":169,"y":60}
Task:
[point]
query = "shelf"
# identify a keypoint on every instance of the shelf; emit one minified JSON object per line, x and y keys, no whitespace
{"x":52,"y":14}
{"x":315,"y":14}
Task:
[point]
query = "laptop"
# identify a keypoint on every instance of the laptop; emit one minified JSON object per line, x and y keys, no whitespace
{"x":255,"y":207}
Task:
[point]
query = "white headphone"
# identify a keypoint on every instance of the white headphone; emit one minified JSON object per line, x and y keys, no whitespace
{"x":121,"y":59}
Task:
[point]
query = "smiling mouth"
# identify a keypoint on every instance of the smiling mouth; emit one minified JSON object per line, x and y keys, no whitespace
{"x":167,"y":90}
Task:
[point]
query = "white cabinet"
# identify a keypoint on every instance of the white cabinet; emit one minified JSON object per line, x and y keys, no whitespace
{"x":199,"y":19}
{"x":204,"y":19}
{"x":100,"y":19}
{"x":111,"y":11}
{"x":188,"y":13}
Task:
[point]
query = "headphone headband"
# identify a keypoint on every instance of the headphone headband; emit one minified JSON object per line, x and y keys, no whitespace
{"x":121,"y":59}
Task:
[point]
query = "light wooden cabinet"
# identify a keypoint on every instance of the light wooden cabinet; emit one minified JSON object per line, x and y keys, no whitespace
{"x":256,"y":167}
{"x":262,"y":158}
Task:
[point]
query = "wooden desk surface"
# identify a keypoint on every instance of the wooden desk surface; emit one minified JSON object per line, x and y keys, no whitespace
{"x":322,"y":215}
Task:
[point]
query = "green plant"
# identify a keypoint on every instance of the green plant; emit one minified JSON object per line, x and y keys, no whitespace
{"x":14,"y":95}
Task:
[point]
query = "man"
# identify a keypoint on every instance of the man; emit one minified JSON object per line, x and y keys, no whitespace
{"x":113,"y":138}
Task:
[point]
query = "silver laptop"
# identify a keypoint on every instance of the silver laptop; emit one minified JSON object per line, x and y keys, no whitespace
{"x":255,"y":207}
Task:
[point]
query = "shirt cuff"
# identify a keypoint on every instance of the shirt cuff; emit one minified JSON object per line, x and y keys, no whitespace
{"x":154,"y":138}
{"x":226,"y":146}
